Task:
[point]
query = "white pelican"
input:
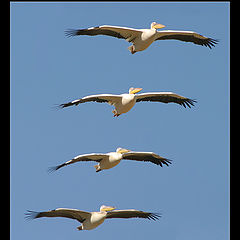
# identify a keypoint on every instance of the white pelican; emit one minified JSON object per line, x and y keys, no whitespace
{"x":111,"y":159}
{"x":124,"y":102}
{"x":143,"y":38}
{"x":90,"y":220}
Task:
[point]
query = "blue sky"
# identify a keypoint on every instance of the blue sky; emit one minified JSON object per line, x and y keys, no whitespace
{"x":47,"y":69}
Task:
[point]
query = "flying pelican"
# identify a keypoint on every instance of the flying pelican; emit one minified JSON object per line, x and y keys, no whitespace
{"x":90,"y":220}
{"x":143,"y":38}
{"x":124,"y":102}
{"x":111,"y":159}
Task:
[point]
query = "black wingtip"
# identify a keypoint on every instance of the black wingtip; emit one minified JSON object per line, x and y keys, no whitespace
{"x":70,"y":32}
{"x":31,"y":215}
{"x":55,"y":168}
{"x":154,"y":216}
{"x":166,"y":161}
{"x":59,"y":106}
{"x":188,"y":102}
{"x":52,"y":169}
{"x":211,"y":42}
{"x":68,"y":104}
{"x":63,"y":105}
{"x":56,"y":107}
{"x":192,"y":101}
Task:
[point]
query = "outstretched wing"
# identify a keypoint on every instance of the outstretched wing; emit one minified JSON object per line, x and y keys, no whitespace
{"x":60,"y":212}
{"x":97,"y":157}
{"x":108,"y":98}
{"x":147,"y":157}
{"x":165,"y":97}
{"x":128,"y":34}
{"x":132,"y":213}
{"x":186,"y":36}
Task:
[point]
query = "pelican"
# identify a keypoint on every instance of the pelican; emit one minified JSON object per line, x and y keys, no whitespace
{"x":111,"y":159}
{"x":143,"y":38}
{"x":124,"y":102}
{"x":91,"y":220}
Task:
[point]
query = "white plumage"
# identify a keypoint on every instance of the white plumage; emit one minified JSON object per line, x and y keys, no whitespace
{"x":141,"y":39}
{"x":91,"y":220}
{"x":125,"y":102}
{"x":111,"y":159}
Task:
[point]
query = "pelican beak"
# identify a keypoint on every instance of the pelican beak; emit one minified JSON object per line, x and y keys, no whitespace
{"x":135,"y":90}
{"x":108,"y":208}
{"x":123,"y":150}
{"x":158,"y":26}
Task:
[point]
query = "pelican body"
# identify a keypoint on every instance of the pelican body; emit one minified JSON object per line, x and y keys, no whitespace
{"x":145,"y":39}
{"x":126,"y":102}
{"x":123,"y":103}
{"x":91,"y":220}
{"x":112,"y":159}
{"x":141,"y":39}
{"x":95,"y":219}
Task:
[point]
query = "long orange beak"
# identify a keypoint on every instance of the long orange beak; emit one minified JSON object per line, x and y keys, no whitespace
{"x":135,"y":90}
{"x":108,"y":208}
{"x":158,"y":26}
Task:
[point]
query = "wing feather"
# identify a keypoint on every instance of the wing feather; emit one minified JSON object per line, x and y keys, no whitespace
{"x":97,"y":157}
{"x":147,"y":157}
{"x":186,"y":36}
{"x":119,"y":32}
{"x":165,"y":97}
{"x":108,"y":98}
{"x":59,"y":212}
{"x":132,"y":213}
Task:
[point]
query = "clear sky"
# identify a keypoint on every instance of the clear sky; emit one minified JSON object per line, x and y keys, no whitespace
{"x":48,"y":68}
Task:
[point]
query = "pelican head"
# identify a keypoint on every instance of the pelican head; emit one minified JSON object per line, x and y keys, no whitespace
{"x":104,"y":208}
{"x":155,"y":25}
{"x":133,"y":90}
{"x":122,"y":150}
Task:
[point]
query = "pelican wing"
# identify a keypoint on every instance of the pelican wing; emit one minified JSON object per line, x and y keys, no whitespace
{"x":132,"y":213}
{"x":165,"y":97}
{"x":60,"y":212}
{"x":128,"y":34}
{"x":108,"y":98}
{"x":186,"y":36}
{"x":97,"y":157}
{"x":146,"y":157}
